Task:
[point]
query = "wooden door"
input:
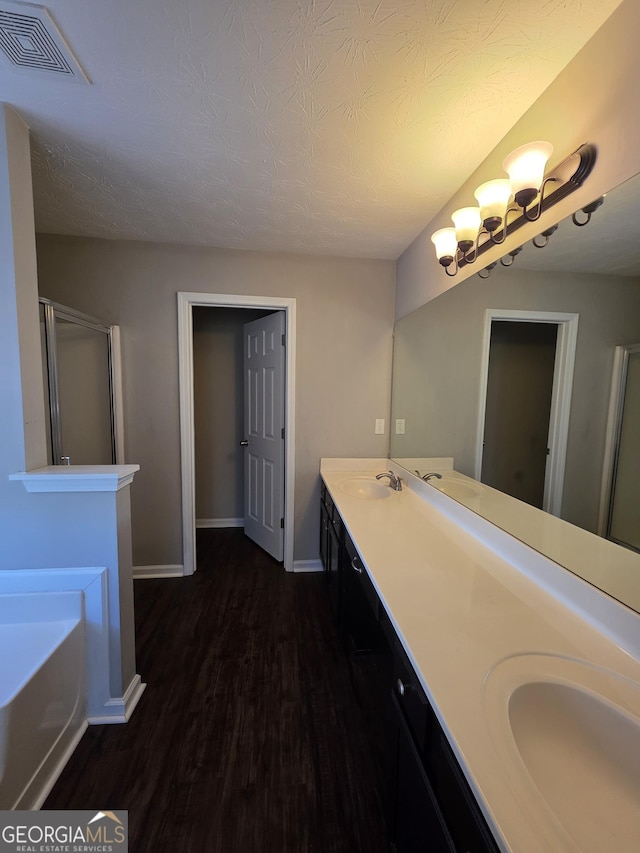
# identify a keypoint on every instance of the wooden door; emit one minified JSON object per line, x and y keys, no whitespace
{"x":264,"y":396}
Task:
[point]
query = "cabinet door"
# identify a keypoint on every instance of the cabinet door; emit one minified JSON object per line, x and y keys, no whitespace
{"x":324,"y":537}
{"x":362,"y":631}
{"x":460,"y":809}
{"x":416,"y":824}
{"x":333,"y":561}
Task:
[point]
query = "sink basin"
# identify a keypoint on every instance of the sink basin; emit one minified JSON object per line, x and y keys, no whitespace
{"x":568,"y":735}
{"x":457,"y":489}
{"x":366,"y":487}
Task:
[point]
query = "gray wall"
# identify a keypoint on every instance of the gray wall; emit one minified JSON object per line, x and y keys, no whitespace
{"x":437,"y":369}
{"x":219,"y":410}
{"x":343,"y":370}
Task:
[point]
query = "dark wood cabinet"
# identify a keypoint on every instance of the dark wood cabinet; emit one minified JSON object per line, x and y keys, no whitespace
{"x":416,"y":824}
{"x":459,"y":807}
{"x":431,"y":806}
{"x":360,"y":622}
{"x":330,"y":549}
{"x":446,"y":812}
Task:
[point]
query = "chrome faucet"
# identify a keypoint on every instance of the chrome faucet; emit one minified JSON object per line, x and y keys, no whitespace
{"x":427,"y":477}
{"x":394,"y":481}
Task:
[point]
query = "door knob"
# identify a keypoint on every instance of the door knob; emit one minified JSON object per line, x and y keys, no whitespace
{"x":244,"y":443}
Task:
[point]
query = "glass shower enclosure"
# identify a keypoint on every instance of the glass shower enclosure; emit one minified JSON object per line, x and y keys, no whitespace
{"x":80,"y":364}
{"x":623,"y":523}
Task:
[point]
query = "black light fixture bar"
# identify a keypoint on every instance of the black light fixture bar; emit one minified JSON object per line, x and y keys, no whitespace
{"x":569,"y":175}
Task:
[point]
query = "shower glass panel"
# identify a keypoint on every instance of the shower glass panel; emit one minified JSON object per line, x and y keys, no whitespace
{"x":84,"y":393}
{"x":80,"y":386}
{"x":624,"y":512}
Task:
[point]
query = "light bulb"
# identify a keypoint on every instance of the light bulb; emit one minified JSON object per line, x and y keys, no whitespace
{"x":446,"y":244}
{"x":493,"y":198}
{"x":467,"y":222}
{"x":525,"y":167}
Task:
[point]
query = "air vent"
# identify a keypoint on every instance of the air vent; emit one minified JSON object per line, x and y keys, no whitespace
{"x":30,"y":40}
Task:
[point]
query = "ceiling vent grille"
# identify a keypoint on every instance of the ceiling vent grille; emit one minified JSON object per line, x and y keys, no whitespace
{"x":30,"y":39}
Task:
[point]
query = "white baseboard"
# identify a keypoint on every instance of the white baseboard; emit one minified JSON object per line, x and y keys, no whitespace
{"x":142,"y":572}
{"x":307,"y":565}
{"x":219,"y":522}
{"x":120,"y":709}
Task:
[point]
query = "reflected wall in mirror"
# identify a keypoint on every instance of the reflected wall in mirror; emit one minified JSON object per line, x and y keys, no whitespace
{"x":593,"y":272}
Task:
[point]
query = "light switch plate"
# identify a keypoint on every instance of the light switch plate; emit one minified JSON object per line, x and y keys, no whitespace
{"x":399,"y":426}
{"x":379,"y":426}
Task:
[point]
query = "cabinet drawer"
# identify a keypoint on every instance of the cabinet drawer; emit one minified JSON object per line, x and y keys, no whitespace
{"x":411,"y":698}
{"x":328,"y":502}
{"x":354,"y":563}
{"x":362,"y":631}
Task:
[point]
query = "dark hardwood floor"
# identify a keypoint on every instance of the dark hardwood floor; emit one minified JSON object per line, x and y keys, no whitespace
{"x":249,"y":737}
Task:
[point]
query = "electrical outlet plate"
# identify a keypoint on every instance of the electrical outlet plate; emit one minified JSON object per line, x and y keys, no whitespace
{"x":379,"y":426}
{"x":399,"y":426}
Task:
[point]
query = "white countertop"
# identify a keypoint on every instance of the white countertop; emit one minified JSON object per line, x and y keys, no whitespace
{"x":77,"y":478}
{"x":461,"y":608}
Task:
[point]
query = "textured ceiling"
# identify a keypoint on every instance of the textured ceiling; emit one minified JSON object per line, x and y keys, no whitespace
{"x":335,"y":126}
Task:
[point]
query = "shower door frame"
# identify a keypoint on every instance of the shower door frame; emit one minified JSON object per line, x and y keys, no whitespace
{"x":53,"y":310}
{"x":612,"y":441}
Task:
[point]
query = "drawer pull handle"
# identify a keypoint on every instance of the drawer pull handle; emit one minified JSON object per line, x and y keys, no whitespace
{"x":400,"y":687}
{"x":355,"y":568}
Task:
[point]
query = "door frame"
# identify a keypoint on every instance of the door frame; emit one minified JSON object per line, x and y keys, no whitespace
{"x":613,"y":435}
{"x":186,"y":303}
{"x":560,"y":397}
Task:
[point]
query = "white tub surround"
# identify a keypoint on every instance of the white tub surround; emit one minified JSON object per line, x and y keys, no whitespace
{"x":42,"y":692}
{"x":92,"y":583}
{"x":481,"y":615}
{"x":103,"y":538}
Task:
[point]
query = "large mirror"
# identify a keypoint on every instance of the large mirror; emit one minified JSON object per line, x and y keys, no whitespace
{"x":582,"y":293}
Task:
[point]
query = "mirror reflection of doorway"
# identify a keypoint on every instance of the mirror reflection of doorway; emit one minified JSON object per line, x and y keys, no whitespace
{"x":518,"y":408}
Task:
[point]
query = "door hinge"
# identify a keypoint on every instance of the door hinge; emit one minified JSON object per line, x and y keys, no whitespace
{"x":283,"y":339}
{"x":282,"y":522}
{"x":282,"y":433}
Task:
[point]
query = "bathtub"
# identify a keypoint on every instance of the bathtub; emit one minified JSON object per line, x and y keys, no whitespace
{"x":42,"y":692}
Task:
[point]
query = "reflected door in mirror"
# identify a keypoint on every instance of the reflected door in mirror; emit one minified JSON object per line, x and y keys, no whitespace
{"x":519,"y":390}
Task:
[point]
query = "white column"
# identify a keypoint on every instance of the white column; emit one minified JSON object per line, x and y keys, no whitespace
{"x":22,"y":425}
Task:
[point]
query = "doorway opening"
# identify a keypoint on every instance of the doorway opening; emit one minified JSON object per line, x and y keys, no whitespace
{"x":525,"y":398}
{"x":190,"y":307}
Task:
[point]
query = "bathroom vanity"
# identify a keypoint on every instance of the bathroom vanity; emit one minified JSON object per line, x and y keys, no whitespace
{"x":513,"y":686}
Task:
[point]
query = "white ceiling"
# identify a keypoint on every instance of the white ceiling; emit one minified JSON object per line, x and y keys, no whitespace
{"x":334,"y":126}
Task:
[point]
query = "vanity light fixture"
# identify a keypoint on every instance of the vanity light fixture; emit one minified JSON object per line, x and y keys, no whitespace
{"x":525,"y":167}
{"x":588,"y":210}
{"x":467,"y":224}
{"x":446,"y":243}
{"x":493,"y":198}
{"x":506,"y":204}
